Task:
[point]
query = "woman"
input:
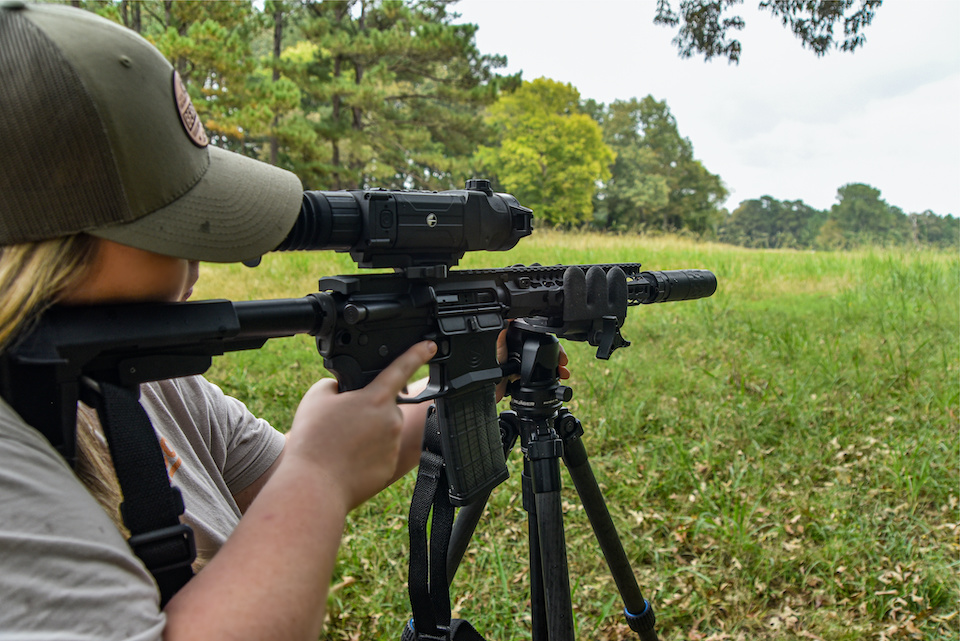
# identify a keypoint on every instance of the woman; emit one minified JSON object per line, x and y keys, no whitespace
{"x":109,"y":192}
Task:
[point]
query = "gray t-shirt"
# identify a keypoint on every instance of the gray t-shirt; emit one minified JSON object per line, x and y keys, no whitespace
{"x":65,"y":570}
{"x":214,"y":449}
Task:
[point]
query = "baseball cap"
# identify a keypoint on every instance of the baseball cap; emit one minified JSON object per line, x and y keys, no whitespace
{"x":99,"y":136}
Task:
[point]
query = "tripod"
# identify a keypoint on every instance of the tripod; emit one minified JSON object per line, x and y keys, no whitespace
{"x":547,"y":433}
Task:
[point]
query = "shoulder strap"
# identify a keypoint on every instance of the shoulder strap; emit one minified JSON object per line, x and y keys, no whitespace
{"x":151,"y":507}
{"x":427,"y":577}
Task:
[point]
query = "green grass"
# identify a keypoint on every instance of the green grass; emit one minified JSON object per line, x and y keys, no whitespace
{"x":781,"y":459}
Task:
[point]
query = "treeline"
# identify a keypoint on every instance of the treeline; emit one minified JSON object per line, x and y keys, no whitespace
{"x":385,"y":93}
{"x":860,"y":217}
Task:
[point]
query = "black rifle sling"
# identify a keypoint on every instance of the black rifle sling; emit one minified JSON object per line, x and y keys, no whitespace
{"x":427,"y":578}
{"x":151,"y":507}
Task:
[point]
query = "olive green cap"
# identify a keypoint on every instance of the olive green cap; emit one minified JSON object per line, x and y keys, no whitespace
{"x":99,"y":136}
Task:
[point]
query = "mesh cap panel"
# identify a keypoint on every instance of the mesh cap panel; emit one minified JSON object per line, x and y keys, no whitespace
{"x":57,"y":172}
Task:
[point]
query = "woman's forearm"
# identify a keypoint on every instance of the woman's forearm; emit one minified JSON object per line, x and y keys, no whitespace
{"x":270,"y":580}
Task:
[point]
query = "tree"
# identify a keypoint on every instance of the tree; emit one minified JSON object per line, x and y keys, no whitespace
{"x":769,"y":223}
{"x":548,"y":154}
{"x":392,"y":95}
{"x":929,"y":229}
{"x":655,"y":181}
{"x":210,"y":46}
{"x":278,"y":11}
{"x":865,"y":218}
{"x":831,"y":236}
{"x":209,"y":43}
{"x":130,"y":15}
{"x":635,"y":193}
{"x":704,"y":24}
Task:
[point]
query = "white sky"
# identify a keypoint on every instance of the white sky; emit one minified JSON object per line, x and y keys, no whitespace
{"x":783,"y":122}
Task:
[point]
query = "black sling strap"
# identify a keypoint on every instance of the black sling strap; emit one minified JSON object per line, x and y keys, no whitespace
{"x":427,"y":578}
{"x":151,"y":508}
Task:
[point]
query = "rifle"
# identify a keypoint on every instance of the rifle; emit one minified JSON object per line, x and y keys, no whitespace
{"x":361,"y":322}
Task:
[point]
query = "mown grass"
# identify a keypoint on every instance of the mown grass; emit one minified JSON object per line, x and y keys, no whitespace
{"x":781,"y":459}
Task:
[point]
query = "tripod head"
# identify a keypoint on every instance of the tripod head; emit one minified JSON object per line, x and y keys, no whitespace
{"x":534,"y":358}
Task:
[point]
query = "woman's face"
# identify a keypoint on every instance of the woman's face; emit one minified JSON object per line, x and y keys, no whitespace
{"x":122,"y":274}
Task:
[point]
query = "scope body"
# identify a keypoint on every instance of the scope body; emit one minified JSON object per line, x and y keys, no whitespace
{"x":388,"y":228}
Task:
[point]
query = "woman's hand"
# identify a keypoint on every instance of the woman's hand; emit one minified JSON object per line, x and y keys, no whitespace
{"x":354,"y":437}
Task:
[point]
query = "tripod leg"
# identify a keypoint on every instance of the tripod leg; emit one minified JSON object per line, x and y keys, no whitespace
{"x":545,"y":467}
{"x":467,"y":519}
{"x":639,"y":613}
{"x":538,"y":606}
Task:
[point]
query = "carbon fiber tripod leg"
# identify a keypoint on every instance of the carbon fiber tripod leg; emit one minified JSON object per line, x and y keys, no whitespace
{"x":639,"y":613}
{"x":544,"y":465}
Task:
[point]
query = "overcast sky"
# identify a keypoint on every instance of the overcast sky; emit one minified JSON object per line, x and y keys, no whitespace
{"x":783,"y":122}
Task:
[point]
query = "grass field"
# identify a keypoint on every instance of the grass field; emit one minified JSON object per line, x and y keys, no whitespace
{"x":781,"y":459}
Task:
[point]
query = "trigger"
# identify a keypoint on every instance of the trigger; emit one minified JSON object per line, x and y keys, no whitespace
{"x":429,"y":393}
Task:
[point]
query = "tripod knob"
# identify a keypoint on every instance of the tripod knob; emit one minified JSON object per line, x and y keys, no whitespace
{"x":564,"y":393}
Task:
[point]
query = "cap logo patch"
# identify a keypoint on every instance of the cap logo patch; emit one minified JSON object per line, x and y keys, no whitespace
{"x":188,"y":113}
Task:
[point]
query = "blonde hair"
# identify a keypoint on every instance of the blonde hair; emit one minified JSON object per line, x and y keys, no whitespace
{"x":34,"y":276}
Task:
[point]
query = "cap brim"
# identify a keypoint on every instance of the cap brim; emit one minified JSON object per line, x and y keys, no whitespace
{"x":240,"y":209}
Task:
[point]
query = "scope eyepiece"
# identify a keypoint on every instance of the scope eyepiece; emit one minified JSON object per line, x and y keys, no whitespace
{"x":327,"y":220}
{"x":385,"y":228}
